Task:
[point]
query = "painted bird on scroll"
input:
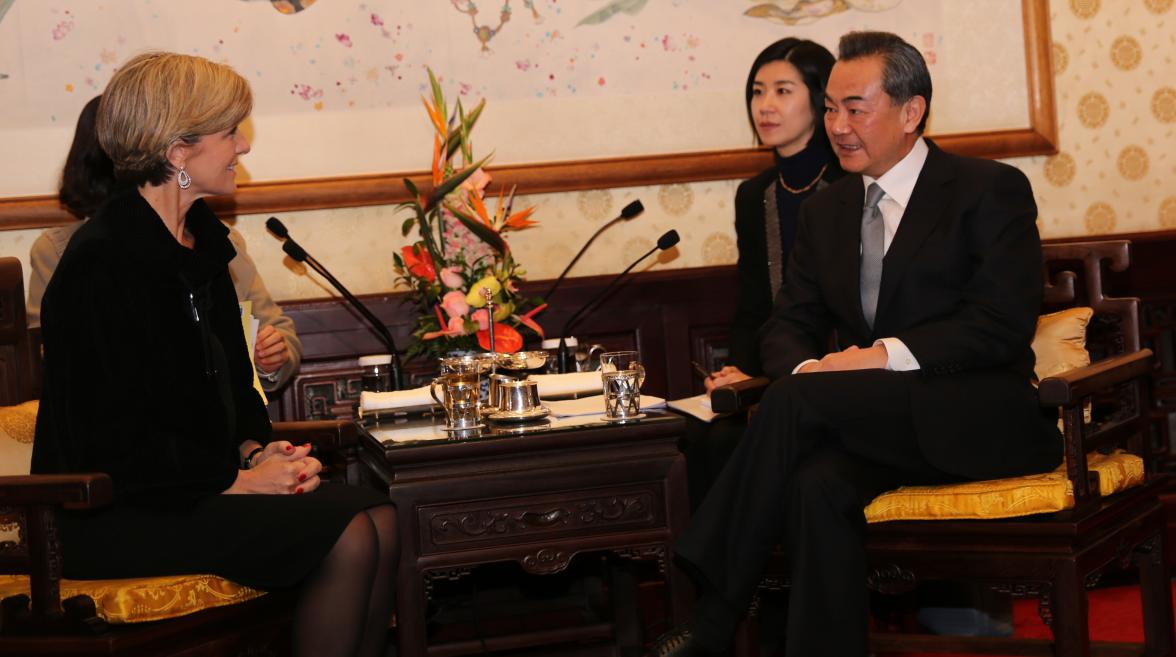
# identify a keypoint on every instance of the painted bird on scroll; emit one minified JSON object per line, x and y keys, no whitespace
{"x":287,"y":6}
{"x":799,"y":12}
{"x":612,"y":8}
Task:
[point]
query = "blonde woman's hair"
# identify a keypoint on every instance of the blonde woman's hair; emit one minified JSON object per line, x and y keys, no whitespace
{"x":157,"y":98}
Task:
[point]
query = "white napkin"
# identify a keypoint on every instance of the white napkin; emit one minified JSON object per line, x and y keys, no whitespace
{"x":554,"y":385}
{"x":395,"y":400}
{"x":594,"y":405}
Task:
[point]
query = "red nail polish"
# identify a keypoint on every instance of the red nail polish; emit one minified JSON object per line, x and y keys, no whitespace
{"x":298,"y":491}
{"x":306,"y":444}
{"x":289,"y":448}
{"x":302,"y":477}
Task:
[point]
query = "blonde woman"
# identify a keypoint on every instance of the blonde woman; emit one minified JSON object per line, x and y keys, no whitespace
{"x":147,"y":378}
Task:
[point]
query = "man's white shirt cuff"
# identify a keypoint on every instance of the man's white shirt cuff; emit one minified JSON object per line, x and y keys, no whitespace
{"x":898,"y":357}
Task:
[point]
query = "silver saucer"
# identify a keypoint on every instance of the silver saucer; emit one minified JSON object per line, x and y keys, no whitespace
{"x":472,"y":426}
{"x":525,"y":416}
{"x":619,"y":420}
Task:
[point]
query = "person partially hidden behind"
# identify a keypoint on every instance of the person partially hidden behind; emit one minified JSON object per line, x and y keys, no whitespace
{"x":931,"y":382}
{"x":147,"y":379}
{"x":87,"y":180}
{"x":785,"y":98}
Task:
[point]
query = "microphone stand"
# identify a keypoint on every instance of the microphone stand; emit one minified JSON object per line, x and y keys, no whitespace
{"x":628,"y":212}
{"x":663,"y":243}
{"x":295,"y":251}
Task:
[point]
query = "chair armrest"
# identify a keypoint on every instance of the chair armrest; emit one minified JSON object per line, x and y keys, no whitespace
{"x":1072,"y":386}
{"x":325,"y":435}
{"x":72,"y":491}
{"x":738,"y":396}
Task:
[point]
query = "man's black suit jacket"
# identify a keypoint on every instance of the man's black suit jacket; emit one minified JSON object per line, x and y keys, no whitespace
{"x":961,"y":288}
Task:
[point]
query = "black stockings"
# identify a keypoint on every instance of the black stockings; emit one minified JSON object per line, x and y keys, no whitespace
{"x":346,"y":604}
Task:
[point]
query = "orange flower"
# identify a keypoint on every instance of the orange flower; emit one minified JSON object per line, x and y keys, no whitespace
{"x":434,"y":116}
{"x":526,"y":320}
{"x":506,"y":339}
{"x":475,"y":202}
{"x":521,"y":219}
{"x":418,"y":262}
{"x":438,"y":174}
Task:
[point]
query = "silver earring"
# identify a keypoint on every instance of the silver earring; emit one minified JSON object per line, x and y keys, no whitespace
{"x":183,"y":179}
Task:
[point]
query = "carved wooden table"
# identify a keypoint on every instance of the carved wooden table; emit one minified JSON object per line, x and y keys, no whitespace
{"x":538,"y":498}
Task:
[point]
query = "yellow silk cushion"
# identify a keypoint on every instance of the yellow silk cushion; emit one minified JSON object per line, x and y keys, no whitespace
{"x":146,"y":598}
{"x":1060,"y":342}
{"x":116,"y":600}
{"x":17,"y":426}
{"x":1004,"y":498}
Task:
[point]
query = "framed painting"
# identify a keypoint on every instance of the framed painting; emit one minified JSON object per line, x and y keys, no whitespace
{"x":595,"y":94}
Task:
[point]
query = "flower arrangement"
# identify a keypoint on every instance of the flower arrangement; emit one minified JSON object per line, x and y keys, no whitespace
{"x":462,"y":249}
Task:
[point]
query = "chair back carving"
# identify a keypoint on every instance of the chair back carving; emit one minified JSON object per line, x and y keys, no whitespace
{"x":1115,"y":327}
{"x":16,"y":362}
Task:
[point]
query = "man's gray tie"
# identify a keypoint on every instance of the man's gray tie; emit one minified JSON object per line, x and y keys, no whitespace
{"x":873,"y":239}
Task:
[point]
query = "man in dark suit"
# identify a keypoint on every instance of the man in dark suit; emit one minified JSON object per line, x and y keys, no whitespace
{"x":926,"y":267}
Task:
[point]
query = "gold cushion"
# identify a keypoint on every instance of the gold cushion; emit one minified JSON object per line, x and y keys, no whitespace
{"x":147,"y":598}
{"x":17,"y":426}
{"x":1004,"y":498}
{"x":116,"y":600}
{"x":1060,"y":342}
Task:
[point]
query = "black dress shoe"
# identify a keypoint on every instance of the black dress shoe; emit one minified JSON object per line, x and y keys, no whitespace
{"x":679,"y":642}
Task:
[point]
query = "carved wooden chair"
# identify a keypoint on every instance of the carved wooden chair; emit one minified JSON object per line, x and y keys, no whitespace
{"x":202,"y":615}
{"x":1102,"y":510}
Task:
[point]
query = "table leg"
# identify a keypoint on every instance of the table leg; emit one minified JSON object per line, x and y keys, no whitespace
{"x":410,"y":614}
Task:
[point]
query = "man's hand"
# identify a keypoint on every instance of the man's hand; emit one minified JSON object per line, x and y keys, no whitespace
{"x":270,"y":352}
{"x":873,"y":358}
{"x":727,"y":375}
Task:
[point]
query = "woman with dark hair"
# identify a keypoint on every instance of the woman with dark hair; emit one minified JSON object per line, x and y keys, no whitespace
{"x":147,"y":379}
{"x":785,"y":102}
{"x":87,"y":180}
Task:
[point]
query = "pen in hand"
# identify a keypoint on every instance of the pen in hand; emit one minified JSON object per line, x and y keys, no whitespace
{"x":700,"y":371}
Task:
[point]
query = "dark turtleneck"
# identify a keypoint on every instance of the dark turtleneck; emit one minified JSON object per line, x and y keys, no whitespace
{"x":797,"y":171}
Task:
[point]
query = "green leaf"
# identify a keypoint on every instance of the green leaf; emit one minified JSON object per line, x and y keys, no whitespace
{"x":438,"y":96}
{"x":412,"y":188}
{"x":484,"y":232}
{"x":460,"y":139}
{"x":454,"y":181}
{"x":407,"y":226}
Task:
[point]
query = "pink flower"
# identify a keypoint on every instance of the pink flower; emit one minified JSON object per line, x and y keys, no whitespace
{"x":454,"y":304}
{"x":482,"y":318}
{"x":451,"y":278}
{"x":477,"y":182}
{"x":455,"y":328}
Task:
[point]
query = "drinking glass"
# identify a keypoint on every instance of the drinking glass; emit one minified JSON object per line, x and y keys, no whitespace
{"x":621,"y":375}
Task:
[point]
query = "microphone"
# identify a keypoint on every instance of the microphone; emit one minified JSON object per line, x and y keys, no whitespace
{"x":295,"y":251}
{"x":628,"y":212}
{"x":664,"y":242}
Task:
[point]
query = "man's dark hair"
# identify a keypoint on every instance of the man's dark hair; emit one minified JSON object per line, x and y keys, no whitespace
{"x":904,"y":72}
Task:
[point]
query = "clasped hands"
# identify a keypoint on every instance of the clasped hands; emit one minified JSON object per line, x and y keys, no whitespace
{"x":280,"y":469}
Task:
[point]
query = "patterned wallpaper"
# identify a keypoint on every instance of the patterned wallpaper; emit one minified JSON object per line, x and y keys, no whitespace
{"x":1114,"y":75}
{"x":1116,"y":100}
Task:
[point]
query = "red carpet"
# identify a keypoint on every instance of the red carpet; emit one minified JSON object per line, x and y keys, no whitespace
{"x":1114,"y":616}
